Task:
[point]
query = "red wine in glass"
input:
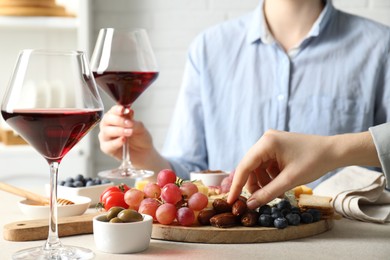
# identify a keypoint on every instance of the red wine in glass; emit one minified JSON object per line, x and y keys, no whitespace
{"x":125,"y":87}
{"x":52,"y":124}
{"x":124,"y":65}
{"x":52,"y":133}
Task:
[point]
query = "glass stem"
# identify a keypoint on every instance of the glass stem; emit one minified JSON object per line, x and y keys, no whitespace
{"x":53,"y":242}
{"x":126,"y":162}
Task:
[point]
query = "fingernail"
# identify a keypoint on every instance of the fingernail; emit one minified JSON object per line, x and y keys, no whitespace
{"x":126,"y":111}
{"x":127,"y":131}
{"x":127,"y":122}
{"x":252,"y":204}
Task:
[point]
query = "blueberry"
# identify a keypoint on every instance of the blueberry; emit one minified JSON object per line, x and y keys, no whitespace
{"x":285,"y":212}
{"x":68,"y":184}
{"x":280,"y":223}
{"x":274,"y":209}
{"x":97,"y":181}
{"x":283,"y":204}
{"x":293,"y":219}
{"x":277,"y":214}
{"x":86,"y":180}
{"x":295,"y":210}
{"x":69,"y":179}
{"x":306,"y":218}
{"x":79,"y":177}
{"x":315,"y":213}
{"x":78,"y":184}
{"x":62,"y":183}
{"x":89,"y":183}
{"x":265,"y":209}
{"x":266,"y":220}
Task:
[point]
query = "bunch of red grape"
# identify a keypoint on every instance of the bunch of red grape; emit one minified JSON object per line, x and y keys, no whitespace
{"x":167,"y":200}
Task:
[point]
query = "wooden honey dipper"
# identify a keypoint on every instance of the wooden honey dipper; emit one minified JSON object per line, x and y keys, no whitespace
{"x":32,"y":196}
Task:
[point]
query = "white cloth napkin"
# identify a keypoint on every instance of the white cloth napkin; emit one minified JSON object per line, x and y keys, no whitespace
{"x":358,"y":193}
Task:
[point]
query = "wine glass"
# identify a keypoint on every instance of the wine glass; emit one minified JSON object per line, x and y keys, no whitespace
{"x":124,"y":65}
{"x":52,"y":102}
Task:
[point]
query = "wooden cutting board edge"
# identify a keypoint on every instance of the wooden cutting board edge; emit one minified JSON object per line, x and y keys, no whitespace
{"x":238,"y":235}
{"x":31,"y":230}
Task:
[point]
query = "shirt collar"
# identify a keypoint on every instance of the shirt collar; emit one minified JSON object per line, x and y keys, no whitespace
{"x":258,"y":29}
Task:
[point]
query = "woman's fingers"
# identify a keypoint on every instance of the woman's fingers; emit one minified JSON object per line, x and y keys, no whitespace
{"x":112,"y":132}
{"x":120,"y":111}
{"x":114,"y":124}
{"x":111,"y":119}
{"x":270,"y":191}
{"x":273,"y":170}
{"x":112,"y":146}
{"x":258,"y":169}
{"x":251,"y":161}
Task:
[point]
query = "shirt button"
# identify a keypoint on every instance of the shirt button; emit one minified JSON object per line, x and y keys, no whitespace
{"x":280,"y":97}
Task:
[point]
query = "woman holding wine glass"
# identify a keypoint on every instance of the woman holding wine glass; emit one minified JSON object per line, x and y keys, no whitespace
{"x":124,"y":65}
{"x":117,"y":128}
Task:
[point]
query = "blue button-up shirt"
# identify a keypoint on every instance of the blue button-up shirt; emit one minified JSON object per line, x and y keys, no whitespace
{"x":239,"y":82}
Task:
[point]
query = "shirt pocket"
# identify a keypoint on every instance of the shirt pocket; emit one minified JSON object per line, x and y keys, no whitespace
{"x":328,"y":116}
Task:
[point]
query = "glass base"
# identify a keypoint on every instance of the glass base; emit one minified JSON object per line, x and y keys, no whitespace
{"x":63,"y":253}
{"x":127,"y":173}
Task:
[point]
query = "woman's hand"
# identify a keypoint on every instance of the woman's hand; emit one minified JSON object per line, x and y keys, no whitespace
{"x":116,"y":127}
{"x":280,"y":161}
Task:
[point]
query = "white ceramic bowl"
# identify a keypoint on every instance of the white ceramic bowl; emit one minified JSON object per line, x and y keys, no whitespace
{"x":92,"y":192}
{"x":209,"y":178}
{"x":122,"y":238}
{"x":34,"y":211}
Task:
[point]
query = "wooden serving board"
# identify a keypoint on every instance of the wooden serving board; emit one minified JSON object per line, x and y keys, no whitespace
{"x":38,"y":229}
{"x":30,"y":230}
{"x":238,"y":235}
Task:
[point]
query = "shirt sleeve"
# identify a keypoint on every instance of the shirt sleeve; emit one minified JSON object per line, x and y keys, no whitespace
{"x":382,"y":110}
{"x":381,"y":137}
{"x":185,"y":146}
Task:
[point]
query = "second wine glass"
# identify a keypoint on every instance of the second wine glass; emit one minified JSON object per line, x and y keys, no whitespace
{"x":124,"y":65}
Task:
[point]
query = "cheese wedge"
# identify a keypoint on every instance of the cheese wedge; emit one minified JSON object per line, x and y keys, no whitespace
{"x":139,"y":185}
{"x":302,"y":189}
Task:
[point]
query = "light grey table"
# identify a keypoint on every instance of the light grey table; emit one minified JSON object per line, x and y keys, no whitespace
{"x":347,"y":240}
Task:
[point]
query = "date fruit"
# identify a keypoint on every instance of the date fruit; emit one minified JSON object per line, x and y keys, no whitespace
{"x":224,"y":220}
{"x":239,"y":208}
{"x":222,"y":206}
{"x":242,"y":198}
{"x":205,"y":215}
{"x":250,"y":218}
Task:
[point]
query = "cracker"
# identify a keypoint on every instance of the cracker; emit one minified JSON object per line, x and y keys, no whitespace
{"x":322,"y":203}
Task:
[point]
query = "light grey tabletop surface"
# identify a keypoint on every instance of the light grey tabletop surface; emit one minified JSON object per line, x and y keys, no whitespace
{"x":346,"y":240}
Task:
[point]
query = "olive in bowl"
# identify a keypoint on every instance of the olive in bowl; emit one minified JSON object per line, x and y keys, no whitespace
{"x":113,"y":235}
